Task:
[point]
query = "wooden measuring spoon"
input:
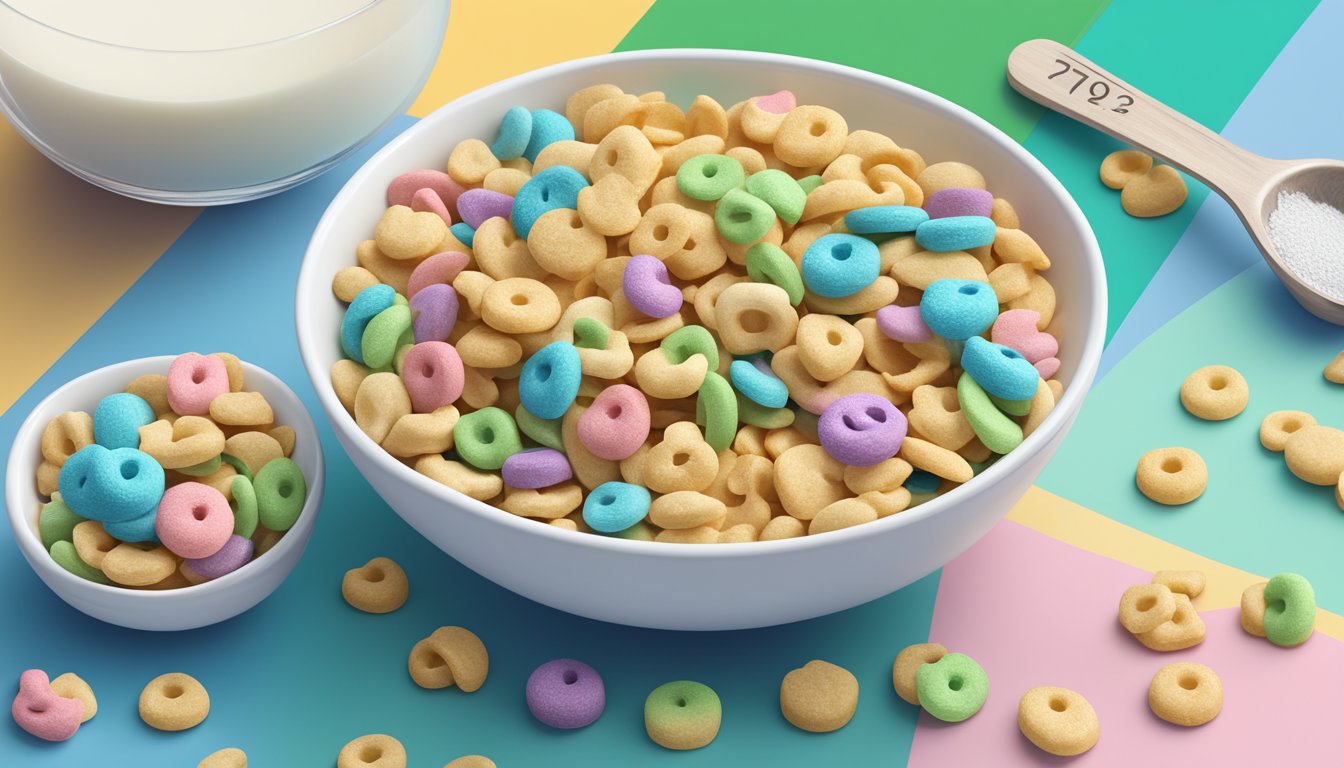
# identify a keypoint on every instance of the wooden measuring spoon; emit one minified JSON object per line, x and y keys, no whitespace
{"x":1054,"y":75}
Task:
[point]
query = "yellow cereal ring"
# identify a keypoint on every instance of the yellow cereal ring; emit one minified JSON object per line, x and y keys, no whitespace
{"x":1058,"y":721}
{"x":1315,"y":454}
{"x":378,"y":586}
{"x":752,"y":317}
{"x":1119,"y":167}
{"x":1172,"y":475}
{"x":349,"y":281}
{"x":1184,"y":629}
{"x":834,"y":198}
{"x":471,"y":761}
{"x":380,"y":401}
{"x":828,"y":346}
{"x":881,"y":477}
{"x":681,"y":461}
{"x":1146,"y":606}
{"x":417,"y":434}
{"x":808,"y":135}
{"x":1278,"y":426}
{"x":520,"y":305}
{"x":874,"y":296}
{"x":500,"y":254}
{"x":783,"y":527}
{"x":704,"y":534}
{"x":1215,"y":392}
{"x":376,"y":750}
{"x":92,"y":543}
{"x":1186,"y":693}
{"x":1188,"y":583}
{"x":907,"y":663}
{"x":628,"y":152}
{"x":174,"y":702}
{"x":562,"y":244}
{"x":485,"y":347}
{"x":449,"y":656}
{"x":66,"y":434}
{"x":1010,"y":281}
{"x":72,"y":686}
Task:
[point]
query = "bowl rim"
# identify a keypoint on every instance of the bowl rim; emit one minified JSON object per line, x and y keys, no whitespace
{"x":29,"y":542}
{"x":343,"y":423}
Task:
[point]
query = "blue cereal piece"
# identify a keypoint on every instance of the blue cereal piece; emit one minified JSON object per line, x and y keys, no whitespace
{"x":111,"y":485}
{"x":367,"y":304}
{"x":515,"y":130}
{"x":955,"y":233}
{"x":885,"y":219}
{"x":555,"y":187}
{"x":548,"y":127}
{"x":921,"y":482}
{"x":615,"y":506}
{"x":550,"y":379}
{"x":959,"y":309}
{"x":1001,"y":371}
{"x":136,"y":529}
{"x":757,"y":385}
{"x":464,"y":233}
{"x":840,"y":265}
{"x":118,"y":418}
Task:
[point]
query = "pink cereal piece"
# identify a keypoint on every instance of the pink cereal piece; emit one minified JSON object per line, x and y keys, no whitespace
{"x":42,"y":712}
{"x":439,"y":268}
{"x":477,"y":205}
{"x":194,"y":520}
{"x":428,"y":200}
{"x":903,"y":324}
{"x":193,"y":381}
{"x":1017,"y":329}
{"x":1047,"y":367}
{"x":403,"y":188}
{"x":433,"y":375}
{"x":958,"y":201}
{"x":778,"y":102}
{"x":616,"y":424}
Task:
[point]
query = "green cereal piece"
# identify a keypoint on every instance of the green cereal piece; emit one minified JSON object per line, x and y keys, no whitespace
{"x":757,"y":415}
{"x":590,"y":333}
{"x":403,"y":349}
{"x":63,"y":552}
{"x":779,"y":190}
{"x":809,"y":183}
{"x":640,"y":531}
{"x":399,"y":300}
{"x":1012,"y":407}
{"x":487,"y":437}
{"x":716,"y":410}
{"x":768,"y":263}
{"x":709,"y":177}
{"x":280,"y":490}
{"x":688,"y":340}
{"x":952,"y":688}
{"x":56,"y":522}
{"x":1290,"y":609}
{"x":207,"y":467}
{"x":244,"y":506}
{"x":743,"y":217}
{"x":383,"y":335}
{"x":683,"y":715}
{"x":236,"y":463}
{"x":999,"y":433}
{"x":547,"y":432}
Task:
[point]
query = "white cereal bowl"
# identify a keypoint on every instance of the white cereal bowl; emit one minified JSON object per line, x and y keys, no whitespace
{"x":715,"y":586}
{"x":170,"y":609}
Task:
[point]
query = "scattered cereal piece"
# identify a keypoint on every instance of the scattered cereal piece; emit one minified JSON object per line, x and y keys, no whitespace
{"x":906,"y":667}
{"x":471,"y":761}
{"x":1314,"y":453}
{"x":819,"y":697}
{"x":1215,"y":392}
{"x":1156,"y":193}
{"x":72,"y":686}
{"x":1290,"y":609}
{"x":566,"y":694}
{"x":1186,"y":693}
{"x":1122,"y":166}
{"x":1188,"y":583}
{"x":378,"y":586}
{"x":682,"y":715}
{"x":1184,"y":629}
{"x":1145,"y":607}
{"x":1172,"y":475}
{"x":229,"y":757}
{"x":449,"y":656}
{"x":1058,"y":721}
{"x":44,"y":713}
{"x":953,"y":688}
{"x":376,"y":750}
{"x":1334,"y":371}
{"x":1278,"y":426}
{"x":174,"y":702}
{"x":1253,"y":609}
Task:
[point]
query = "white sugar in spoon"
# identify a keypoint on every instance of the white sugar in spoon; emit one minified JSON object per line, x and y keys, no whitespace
{"x":1055,"y":76}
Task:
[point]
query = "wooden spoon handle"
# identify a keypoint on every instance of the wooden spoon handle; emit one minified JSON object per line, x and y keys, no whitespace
{"x":1054,"y":75}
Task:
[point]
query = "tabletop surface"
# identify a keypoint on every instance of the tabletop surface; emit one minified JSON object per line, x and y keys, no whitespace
{"x":106,"y":279}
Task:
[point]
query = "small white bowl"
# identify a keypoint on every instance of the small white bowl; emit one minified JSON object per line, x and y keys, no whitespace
{"x":169,"y":609}
{"x":714,"y":586}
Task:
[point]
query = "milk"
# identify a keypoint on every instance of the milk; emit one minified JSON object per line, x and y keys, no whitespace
{"x":188,"y":96}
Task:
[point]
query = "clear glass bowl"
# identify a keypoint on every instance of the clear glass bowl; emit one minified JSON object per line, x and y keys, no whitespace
{"x":208,"y":127}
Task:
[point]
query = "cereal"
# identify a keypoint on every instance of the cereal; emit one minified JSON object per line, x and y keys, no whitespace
{"x":955,"y":233}
{"x":236,"y":552}
{"x":550,"y":381}
{"x":174,"y":702}
{"x":44,"y":713}
{"x":471,"y":761}
{"x":1215,"y":393}
{"x":615,"y":506}
{"x":1058,"y":721}
{"x":72,"y":686}
{"x":138,"y":565}
{"x":449,"y":656}
{"x":819,"y":697}
{"x":1314,"y":453}
{"x":861,"y":429}
{"x":1278,"y":426}
{"x":1186,"y":693}
{"x":1188,"y":583}
{"x":958,"y":309}
{"x":378,"y":586}
{"x":376,"y":750}
{"x":907,"y":665}
{"x":839,"y":265}
{"x":1253,"y":609}
{"x":955,"y":202}
{"x":1290,"y":610}
{"x":566,"y":694}
{"x":1172,"y":475}
{"x":1145,"y":607}
{"x":229,"y":757}
{"x":953,"y":688}
{"x":780,"y":191}
{"x":1334,"y":370}
{"x":1157,"y":192}
{"x":682,"y":715}
{"x":1121,"y":166}
{"x":1184,"y":629}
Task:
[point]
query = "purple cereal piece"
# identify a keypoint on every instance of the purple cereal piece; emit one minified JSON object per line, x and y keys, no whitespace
{"x":536,"y":468}
{"x":566,"y":693}
{"x":433,"y":312}
{"x":957,"y":201}
{"x":439,"y":268}
{"x":648,"y":288}
{"x":903,"y":324}
{"x":477,"y":205}
{"x":233,"y":555}
{"x":861,"y":429}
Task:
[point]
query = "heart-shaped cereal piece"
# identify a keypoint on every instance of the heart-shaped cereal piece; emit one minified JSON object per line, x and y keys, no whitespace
{"x":610,"y":206}
{"x":1047,"y":367}
{"x":779,"y":102}
{"x":406,"y":234}
{"x":1016,"y":328}
{"x":1155,"y":193}
{"x":182,"y":443}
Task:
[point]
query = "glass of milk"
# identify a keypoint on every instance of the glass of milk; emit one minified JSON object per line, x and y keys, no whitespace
{"x":203,"y":102}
